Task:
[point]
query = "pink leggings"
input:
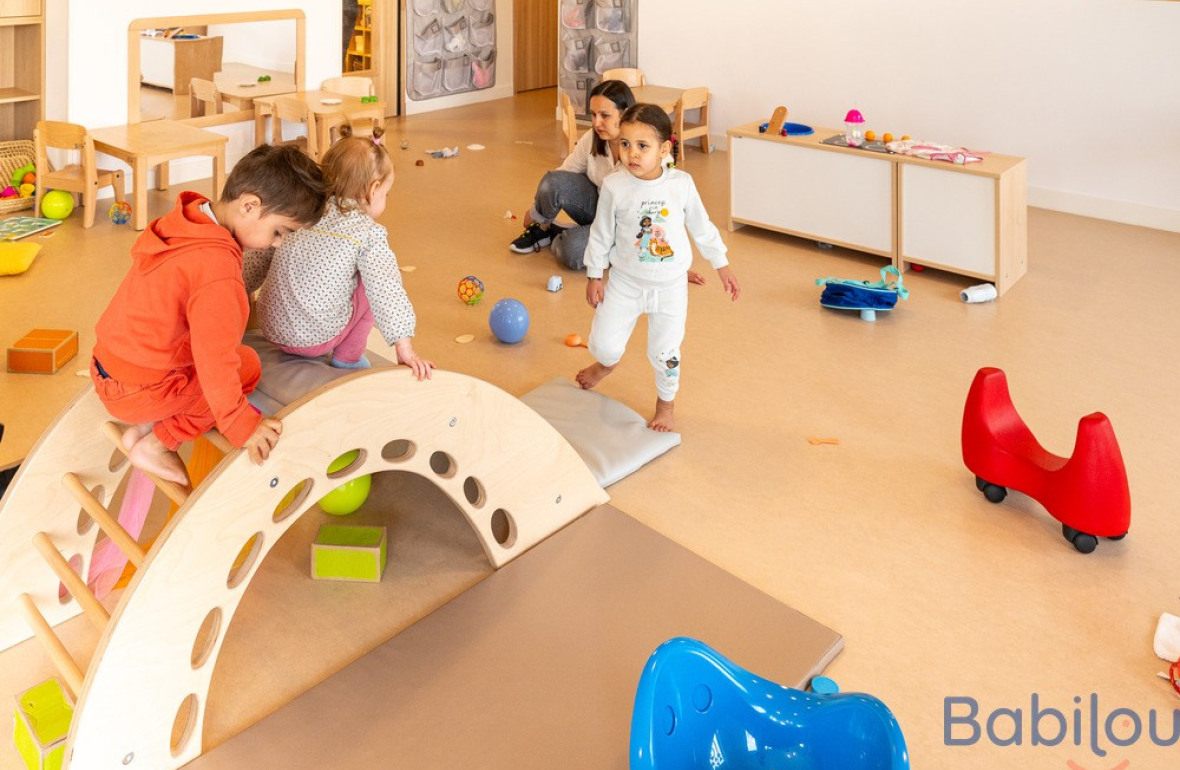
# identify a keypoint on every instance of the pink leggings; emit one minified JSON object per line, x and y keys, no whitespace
{"x":349,"y":345}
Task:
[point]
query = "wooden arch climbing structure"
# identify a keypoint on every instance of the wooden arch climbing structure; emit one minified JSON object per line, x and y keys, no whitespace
{"x":141,"y":698}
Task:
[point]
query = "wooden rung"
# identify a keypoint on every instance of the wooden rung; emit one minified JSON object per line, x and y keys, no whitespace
{"x":62,"y":660}
{"x":220,"y":442}
{"x":123,"y":541}
{"x":175,"y":492}
{"x":74,"y":584}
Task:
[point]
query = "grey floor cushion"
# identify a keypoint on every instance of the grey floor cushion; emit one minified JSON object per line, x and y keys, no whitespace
{"x":286,"y":377}
{"x":611,"y":438}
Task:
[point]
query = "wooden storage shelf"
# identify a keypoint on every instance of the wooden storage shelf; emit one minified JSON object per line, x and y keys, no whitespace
{"x":22,"y":67}
{"x":969,"y":219}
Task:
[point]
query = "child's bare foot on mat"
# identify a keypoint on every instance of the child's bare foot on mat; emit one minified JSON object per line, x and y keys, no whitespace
{"x":592,"y":375}
{"x":664,"y":422}
{"x":149,"y":454}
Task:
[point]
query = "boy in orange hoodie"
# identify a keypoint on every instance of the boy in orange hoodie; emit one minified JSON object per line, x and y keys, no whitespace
{"x":169,"y":358}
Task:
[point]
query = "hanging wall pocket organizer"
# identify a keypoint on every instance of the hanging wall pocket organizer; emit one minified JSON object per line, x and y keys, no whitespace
{"x":453,"y":49}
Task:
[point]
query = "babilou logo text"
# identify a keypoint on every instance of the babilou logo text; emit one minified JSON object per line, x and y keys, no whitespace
{"x":1087,"y":723}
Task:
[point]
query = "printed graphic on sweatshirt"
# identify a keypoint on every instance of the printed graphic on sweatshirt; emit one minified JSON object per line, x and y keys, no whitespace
{"x":651,"y":240}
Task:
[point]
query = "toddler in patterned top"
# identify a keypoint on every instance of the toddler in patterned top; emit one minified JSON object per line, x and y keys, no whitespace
{"x":324,"y":288}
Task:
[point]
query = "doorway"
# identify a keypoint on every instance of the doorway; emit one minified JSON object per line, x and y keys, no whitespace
{"x":534,"y":26}
{"x":370,"y":31}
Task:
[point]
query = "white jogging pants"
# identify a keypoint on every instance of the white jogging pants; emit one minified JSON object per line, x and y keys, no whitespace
{"x":666,"y":307}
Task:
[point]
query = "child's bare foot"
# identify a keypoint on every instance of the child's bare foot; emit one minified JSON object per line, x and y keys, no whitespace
{"x":592,"y":375}
{"x":149,"y":454}
{"x":664,"y":422}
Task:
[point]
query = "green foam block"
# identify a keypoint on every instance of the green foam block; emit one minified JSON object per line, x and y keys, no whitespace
{"x":348,"y":552}
{"x":43,"y":714}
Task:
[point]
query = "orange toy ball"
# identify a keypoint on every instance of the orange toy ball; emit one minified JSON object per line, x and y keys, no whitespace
{"x":905,"y":137}
{"x":573,"y":340}
{"x":870,"y":136}
{"x":887,"y":138}
{"x":29,"y":178}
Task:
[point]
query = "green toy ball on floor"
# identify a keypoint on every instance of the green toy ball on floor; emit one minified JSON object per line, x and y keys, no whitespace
{"x":57,"y":204}
{"x":350,"y":495}
{"x":119,"y":212}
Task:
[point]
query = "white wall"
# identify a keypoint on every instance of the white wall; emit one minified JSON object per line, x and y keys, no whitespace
{"x":1085,"y":89}
{"x":266,"y":44}
{"x":91,"y":51}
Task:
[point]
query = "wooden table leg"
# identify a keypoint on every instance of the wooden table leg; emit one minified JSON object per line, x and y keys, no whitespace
{"x":259,"y":126}
{"x":139,"y":180}
{"x":218,"y":172}
{"x":162,"y":176}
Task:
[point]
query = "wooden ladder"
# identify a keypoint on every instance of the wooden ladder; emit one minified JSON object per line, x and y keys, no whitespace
{"x":65,"y":663}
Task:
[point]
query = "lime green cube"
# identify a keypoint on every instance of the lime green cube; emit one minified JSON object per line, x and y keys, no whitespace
{"x":348,"y":552}
{"x":43,"y":715}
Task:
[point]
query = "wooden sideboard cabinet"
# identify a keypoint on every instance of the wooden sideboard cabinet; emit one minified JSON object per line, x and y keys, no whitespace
{"x":171,"y":62}
{"x":969,"y":219}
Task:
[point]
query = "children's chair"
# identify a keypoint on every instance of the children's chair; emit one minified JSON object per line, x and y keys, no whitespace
{"x":349,"y":85}
{"x":630,"y":75}
{"x":83,"y":178}
{"x":204,"y":98}
{"x":691,"y":99}
{"x":287,"y":109}
{"x":569,"y":123}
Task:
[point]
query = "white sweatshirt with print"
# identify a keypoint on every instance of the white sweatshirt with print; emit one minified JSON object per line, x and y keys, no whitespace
{"x":641,"y":228}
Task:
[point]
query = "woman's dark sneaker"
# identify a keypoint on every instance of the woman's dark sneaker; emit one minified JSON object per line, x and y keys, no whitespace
{"x":534,"y":238}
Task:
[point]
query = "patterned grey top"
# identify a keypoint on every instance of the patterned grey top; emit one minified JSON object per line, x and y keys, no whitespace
{"x":308,"y":281}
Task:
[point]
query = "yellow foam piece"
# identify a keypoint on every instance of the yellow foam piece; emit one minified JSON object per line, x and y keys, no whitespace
{"x":15,"y":258}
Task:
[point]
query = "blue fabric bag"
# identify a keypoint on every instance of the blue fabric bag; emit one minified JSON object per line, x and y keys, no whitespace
{"x":845,"y":294}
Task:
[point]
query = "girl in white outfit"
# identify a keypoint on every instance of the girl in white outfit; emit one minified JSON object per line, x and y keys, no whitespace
{"x":639,"y":233}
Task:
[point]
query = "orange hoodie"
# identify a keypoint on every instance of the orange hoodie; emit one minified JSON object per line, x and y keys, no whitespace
{"x":183,"y":305}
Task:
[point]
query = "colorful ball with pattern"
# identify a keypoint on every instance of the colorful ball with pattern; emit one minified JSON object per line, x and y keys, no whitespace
{"x":470,"y":290}
{"x":119,"y":212}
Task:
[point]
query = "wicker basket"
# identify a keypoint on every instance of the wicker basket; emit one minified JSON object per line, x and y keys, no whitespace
{"x":13,"y":155}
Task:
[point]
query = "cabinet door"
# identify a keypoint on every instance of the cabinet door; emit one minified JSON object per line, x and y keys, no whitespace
{"x":948,"y":218}
{"x":841,"y":197}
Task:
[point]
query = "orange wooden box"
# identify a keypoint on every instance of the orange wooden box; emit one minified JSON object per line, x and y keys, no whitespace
{"x":42,"y":351}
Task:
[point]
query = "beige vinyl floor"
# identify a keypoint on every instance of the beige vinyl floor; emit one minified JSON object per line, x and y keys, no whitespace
{"x":883,"y":537}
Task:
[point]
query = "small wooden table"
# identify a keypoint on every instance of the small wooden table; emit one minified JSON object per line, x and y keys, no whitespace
{"x":143,"y":145}
{"x":661,"y":96}
{"x":325,"y":116}
{"x":239,"y":84}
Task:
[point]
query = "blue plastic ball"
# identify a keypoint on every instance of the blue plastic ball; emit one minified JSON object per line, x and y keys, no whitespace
{"x":509,"y":321}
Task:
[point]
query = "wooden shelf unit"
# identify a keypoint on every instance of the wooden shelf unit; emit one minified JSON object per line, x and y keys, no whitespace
{"x":967,"y":219}
{"x":22,"y":68}
{"x":359,"y":57}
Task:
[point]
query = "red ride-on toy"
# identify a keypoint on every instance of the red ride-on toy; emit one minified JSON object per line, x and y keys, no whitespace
{"x":1087,"y":492}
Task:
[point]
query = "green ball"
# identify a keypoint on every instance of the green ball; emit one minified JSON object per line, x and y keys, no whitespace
{"x":350,"y":495}
{"x":57,"y":204}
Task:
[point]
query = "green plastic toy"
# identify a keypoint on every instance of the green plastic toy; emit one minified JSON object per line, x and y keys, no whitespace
{"x":350,"y":495}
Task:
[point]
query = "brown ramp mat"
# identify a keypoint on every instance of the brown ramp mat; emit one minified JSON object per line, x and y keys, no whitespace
{"x":535,"y":666}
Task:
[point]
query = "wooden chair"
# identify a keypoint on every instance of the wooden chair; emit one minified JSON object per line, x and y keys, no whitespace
{"x":691,"y":99}
{"x":629,"y":75}
{"x":349,"y":85}
{"x":287,"y":109}
{"x":569,"y":123}
{"x":83,"y":178}
{"x":204,"y":98}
